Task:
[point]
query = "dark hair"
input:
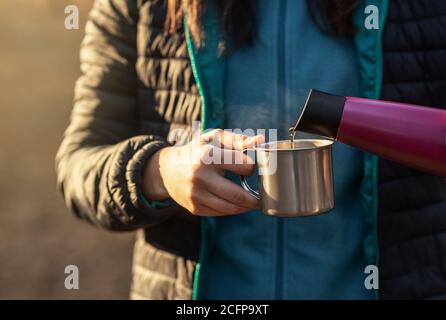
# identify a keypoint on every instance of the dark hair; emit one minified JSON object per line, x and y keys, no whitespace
{"x":238,"y":19}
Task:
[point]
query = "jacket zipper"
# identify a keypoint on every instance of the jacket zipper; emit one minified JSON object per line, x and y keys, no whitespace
{"x":281,"y":101}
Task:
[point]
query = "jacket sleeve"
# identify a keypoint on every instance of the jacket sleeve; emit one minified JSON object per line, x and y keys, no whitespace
{"x":100,"y":160}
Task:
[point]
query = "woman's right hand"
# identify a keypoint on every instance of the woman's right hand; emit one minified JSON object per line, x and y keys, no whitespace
{"x":193,"y":174}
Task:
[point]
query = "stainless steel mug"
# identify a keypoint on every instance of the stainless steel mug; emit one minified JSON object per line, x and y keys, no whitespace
{"x":295,"y":180}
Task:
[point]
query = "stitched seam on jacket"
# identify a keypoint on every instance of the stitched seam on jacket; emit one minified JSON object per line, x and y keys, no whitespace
{"x":175,"y":91}
{"x":412,"y":211}
{"x":411,"y":50}
{"x":414,"y":20}
{"x":148,"y":273}
{"x":415,"y":238}
{"x":161,"y":57}
{"x":413,"y":82}
{"x":409,"y":273}
{"x":137,"y":296}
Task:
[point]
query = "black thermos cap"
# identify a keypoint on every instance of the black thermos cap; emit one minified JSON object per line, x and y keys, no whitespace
{"x":321,"y":115}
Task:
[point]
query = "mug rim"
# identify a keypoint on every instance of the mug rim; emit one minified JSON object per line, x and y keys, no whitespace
{"x":326,"y":144}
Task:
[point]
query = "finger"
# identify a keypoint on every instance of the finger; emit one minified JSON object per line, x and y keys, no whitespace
{"x":210,"y":136}
{"x":238,"y":162}
{"x":205,"y":211}
{"x":230,"y":140}
{"x":254,"y":141}
{"x":244,"y":169}
{"x":222,"y":206}
{"x":231,"y":192}
{"x":234,"y":141}
{"x":232,"y":160}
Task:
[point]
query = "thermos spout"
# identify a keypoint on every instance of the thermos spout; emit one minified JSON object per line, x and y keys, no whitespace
{"x":321,"y":115}
{"x":408,"y":134}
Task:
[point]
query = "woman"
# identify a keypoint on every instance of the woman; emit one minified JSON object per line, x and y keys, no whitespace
{"x":248,"y":64}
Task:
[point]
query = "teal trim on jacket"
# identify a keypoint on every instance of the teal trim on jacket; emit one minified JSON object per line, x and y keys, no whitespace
{"x":370,"y":60}
{"x":209,"y":72}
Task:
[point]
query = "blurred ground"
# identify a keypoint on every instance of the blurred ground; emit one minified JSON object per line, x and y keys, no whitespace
{"x":38,"y":237}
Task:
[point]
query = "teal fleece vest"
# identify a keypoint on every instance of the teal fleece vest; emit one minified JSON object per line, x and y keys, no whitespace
{"x":209,"y":72}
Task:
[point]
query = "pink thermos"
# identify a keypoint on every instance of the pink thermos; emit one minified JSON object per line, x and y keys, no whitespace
{"x":409,"y":134}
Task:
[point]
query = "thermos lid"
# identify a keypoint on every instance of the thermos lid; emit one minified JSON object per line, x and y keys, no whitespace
{"x":321,"y":114}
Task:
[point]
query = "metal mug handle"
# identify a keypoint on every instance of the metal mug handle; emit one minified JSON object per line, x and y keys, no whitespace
{"x":247,"y":187}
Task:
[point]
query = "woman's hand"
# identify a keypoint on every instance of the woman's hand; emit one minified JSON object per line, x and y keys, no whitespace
{"x":193,"y":175}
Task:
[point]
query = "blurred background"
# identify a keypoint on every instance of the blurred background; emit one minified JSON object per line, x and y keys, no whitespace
{"x":39,"y":63}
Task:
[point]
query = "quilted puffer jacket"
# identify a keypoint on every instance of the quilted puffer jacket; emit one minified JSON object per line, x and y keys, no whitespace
{"x":137,"y":92}
{"x":412,"y":205}
{"x":136,"y":87}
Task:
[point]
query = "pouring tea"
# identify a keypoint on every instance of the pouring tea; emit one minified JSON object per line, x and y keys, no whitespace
{"x":418,"y":141}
